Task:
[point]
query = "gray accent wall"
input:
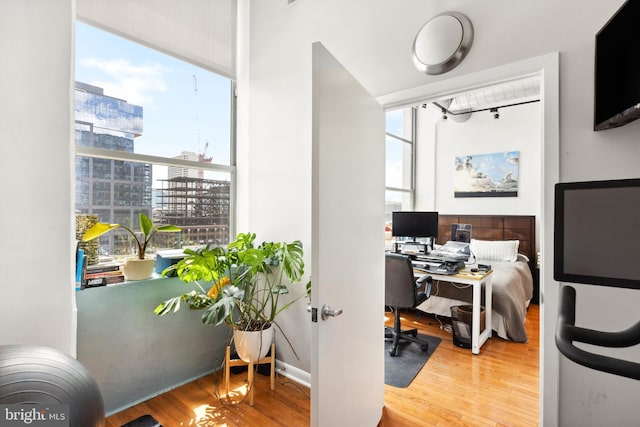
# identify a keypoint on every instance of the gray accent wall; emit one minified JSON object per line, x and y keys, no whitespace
{"x":134,"y":354}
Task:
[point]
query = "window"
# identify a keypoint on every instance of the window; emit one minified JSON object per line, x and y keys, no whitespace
{"x":153,"y":135}
{"x":400,"y":164}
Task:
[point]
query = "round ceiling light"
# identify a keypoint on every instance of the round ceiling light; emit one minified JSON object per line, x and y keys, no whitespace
{"x":442,"y":43}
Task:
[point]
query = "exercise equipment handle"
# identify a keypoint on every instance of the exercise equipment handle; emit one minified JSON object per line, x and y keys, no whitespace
{"x":567,"y":333}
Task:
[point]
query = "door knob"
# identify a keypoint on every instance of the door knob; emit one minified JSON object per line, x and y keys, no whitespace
{"x":328,"y":312}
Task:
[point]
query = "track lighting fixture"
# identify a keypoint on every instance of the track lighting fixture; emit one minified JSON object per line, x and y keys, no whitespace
{"x":461,"y":115}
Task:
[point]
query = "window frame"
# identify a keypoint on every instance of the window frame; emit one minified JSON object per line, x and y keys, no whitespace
{"x":231,"y":169}
{"x":412,"y":163}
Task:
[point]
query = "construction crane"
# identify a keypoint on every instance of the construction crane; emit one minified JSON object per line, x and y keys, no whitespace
{"x":202,"y":157}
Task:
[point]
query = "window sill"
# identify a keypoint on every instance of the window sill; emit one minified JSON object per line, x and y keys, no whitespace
{"x":154,"y":277}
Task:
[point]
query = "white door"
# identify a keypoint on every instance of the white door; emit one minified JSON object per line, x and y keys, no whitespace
{"x":347,"y":271}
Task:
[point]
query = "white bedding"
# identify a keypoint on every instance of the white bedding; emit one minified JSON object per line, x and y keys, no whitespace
{"x":512,"y":289}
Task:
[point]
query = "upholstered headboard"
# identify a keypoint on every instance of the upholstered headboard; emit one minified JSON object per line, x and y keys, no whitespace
{"x":495,"y":227}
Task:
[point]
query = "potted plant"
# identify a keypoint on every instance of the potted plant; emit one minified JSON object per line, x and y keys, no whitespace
{"x":244,"y":283}
{"x":140,"y":267}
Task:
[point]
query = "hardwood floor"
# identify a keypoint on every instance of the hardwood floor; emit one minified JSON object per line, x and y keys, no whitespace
{"x":498,"y":387}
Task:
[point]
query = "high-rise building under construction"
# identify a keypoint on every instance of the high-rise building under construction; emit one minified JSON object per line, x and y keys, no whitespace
{"x":117,"y":191}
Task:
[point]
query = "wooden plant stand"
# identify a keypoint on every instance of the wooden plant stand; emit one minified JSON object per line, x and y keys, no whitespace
{"x":228,"y":363}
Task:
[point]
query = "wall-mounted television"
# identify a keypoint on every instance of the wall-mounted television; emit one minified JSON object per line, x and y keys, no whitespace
{"x":415,"y":224}
{"x":617,"y":69}
{"x":597,"y":233}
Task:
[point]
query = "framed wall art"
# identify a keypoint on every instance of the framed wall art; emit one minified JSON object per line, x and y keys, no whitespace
{"x":486,"y":175}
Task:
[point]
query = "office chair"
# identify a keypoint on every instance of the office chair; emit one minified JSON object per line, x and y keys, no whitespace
{"x":402,"y":290}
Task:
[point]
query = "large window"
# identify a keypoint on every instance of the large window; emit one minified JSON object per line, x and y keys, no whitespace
{"x":153,"y":135}
{"x":400,"y":164}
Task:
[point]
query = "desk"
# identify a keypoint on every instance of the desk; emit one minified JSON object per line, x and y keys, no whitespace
{"x":466,"y":277}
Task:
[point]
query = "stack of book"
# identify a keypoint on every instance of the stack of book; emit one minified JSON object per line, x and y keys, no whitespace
{"x":103,"y":274}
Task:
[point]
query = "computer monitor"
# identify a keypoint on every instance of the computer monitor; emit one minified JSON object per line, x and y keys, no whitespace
{"x":415,"y":224}
{"x":461,"y":233}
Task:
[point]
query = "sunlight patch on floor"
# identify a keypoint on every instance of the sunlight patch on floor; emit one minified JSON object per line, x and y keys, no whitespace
{"x":201,"y":412}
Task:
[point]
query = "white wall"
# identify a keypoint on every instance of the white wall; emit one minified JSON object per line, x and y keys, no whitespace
{"x":274,"y":161}
{"x":36,"y":247}
{"x":132,"y":354}
{"x":372,"y":38}
{"x":518,"y":129}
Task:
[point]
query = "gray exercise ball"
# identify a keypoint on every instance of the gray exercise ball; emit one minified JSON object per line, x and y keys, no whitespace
{"x":40,"y":375}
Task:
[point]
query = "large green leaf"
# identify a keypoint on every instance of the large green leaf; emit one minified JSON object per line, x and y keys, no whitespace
{"x":207,"y":264}
{"x":145,"y":225}
{"x":293,"y":260}
{"x":222,"y":310}
{"x":168,"y":229}
{"x":169,"y":306}
{"x":98,"y":230}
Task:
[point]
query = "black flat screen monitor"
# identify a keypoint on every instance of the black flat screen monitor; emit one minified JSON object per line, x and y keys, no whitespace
{"x":597,"y":233}
{"x":617,"y":69}
{"x":415,"y":224}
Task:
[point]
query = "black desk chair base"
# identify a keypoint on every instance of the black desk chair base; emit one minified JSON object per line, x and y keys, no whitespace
{"x":396,"y":334}
{"x":402,"y":290}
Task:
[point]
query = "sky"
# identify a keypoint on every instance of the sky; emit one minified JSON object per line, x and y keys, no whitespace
{"x":495,"y":166}
{"x":394,"y":152}
{"x":184,"y":106}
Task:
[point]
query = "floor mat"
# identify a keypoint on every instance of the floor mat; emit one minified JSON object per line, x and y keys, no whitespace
{"x":143,"y":421}
{"x":400,"y":370}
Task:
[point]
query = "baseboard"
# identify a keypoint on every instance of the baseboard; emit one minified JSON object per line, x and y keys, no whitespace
{"x":293,"y":373}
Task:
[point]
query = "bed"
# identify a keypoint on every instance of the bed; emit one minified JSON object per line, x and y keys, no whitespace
{"x":507,"y":243}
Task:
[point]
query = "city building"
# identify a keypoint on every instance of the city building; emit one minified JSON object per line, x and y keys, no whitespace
{"x":175,"y":171}
{"x":197,"y":205}
{"x":116,"y":191}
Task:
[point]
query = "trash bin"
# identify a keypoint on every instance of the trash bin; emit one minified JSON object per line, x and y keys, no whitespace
{"x":461,"y":322}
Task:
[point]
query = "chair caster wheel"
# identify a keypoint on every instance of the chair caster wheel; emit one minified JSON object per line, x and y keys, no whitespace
{"x":393,"y":353}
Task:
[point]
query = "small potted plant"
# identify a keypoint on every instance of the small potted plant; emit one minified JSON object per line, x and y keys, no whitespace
{"x":140,"y":267}
{"x":242,"y":286}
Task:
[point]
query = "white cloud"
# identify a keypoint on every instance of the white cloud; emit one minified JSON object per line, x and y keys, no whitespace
{"x":134,"y":83}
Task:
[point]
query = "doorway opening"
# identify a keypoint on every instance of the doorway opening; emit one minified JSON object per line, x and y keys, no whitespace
{"x":546,"y":69}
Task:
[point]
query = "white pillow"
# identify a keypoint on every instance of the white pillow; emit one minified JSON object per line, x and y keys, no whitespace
{"x":495,"y":250}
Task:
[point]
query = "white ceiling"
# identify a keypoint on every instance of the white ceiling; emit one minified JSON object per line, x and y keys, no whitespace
{"x":503,"y":94}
